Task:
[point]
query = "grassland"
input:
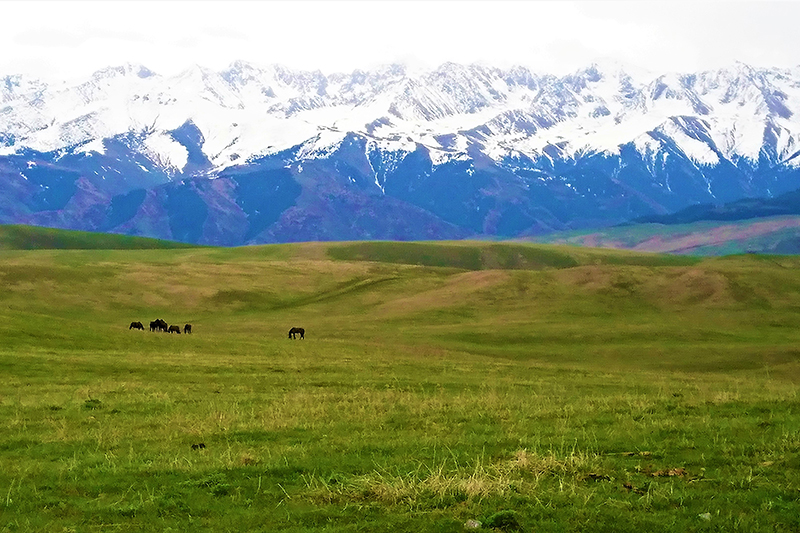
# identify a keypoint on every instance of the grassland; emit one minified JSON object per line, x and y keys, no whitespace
{"x":20,"y":237}
{"x":529,"y":387}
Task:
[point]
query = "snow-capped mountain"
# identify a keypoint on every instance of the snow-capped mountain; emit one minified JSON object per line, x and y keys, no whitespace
{"x":265,"y":153}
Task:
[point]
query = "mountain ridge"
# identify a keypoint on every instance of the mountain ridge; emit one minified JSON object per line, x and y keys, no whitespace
{"x":451,"y":152}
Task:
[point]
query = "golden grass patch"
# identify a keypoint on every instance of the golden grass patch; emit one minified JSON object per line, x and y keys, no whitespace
{"x":454,"y":290}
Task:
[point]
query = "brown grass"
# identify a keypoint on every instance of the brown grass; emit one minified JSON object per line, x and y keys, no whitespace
{"x":454,"y":290}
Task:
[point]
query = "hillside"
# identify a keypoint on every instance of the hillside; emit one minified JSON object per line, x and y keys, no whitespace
{"x":767,"y":235}
{"x":19,"y":237}
{"x":343,"y":287}
{"x":781,"y":205}
{"x":526,"y":387}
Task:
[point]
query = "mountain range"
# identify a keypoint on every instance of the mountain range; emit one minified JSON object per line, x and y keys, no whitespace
{"x":261,"y":154}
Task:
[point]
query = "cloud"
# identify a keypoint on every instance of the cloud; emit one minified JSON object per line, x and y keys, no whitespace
{"x":73,"y":38}
{"x":46,"y":38}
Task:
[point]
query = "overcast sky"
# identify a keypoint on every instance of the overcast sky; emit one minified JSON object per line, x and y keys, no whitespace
{"x":70,"y":39}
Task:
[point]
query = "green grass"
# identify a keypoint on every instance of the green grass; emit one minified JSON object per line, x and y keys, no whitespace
{"x":482,"y":256}
{"x":18,"y":237}
{"x":570,"y":390}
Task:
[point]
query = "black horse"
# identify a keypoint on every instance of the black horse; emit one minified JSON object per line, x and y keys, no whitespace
{"x":294,"y":331}
{"x":137,"y":325}
{"x":187,"y":328}
{"x":174,"y":329}
{"x":158,"y":325}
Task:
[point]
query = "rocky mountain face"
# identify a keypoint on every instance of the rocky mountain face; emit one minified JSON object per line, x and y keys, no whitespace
{"x":258,"y":154}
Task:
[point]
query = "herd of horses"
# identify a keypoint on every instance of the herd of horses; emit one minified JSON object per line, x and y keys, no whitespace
{"x":161,"y":325}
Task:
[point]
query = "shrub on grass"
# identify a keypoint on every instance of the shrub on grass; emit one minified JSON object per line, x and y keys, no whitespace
{"x":504,"y":521}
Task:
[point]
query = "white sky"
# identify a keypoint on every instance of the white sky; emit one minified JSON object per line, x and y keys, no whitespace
{"x":70,"y":39}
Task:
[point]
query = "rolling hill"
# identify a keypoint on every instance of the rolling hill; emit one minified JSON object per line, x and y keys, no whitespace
{"x":20,"y":237}
{"x":523,"y":386}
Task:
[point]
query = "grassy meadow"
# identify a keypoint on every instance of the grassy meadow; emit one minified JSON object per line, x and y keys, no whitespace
{"x":525,"y":387}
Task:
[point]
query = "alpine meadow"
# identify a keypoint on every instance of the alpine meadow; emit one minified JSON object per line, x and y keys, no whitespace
{"x":443,"y":386}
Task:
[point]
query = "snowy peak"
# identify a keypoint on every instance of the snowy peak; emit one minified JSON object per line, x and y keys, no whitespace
{"x":125,"y":70}
{"x":18,"y":86}
{"x":249,"y":110}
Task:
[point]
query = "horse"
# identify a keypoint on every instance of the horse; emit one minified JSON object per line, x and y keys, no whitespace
{"x":187,"y":328}
{"x":136,"y":325}
{"x":175,"y":329}
{"x":294,"y":331}
{"x":158,"y":325}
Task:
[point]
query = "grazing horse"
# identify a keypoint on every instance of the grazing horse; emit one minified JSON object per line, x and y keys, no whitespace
{"x":187,"y":328}
{"x":175,"y":329}
{"x":158,"y":325}
{"x":136,"y":325}
{"x":294,"y":331}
